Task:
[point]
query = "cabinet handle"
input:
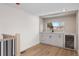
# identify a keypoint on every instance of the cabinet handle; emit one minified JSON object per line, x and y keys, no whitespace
{"x":50,"y":36}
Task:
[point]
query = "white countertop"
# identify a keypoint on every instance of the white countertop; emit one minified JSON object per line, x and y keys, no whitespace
{"x":58,"y":33}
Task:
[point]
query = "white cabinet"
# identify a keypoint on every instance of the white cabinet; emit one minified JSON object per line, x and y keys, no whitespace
{"x":55,"y":39}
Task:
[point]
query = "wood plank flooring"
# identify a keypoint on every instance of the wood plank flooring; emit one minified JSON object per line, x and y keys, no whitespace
{"x":47,"y":50}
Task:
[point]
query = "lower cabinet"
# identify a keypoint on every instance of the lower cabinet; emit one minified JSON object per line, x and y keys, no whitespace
{"x":55,"y":39}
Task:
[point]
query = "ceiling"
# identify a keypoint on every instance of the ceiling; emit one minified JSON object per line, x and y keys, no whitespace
{"x":46,"y":8}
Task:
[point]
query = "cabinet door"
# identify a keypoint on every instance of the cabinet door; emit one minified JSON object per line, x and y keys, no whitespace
{"x":60,"y":40}
{"x":52,"y":40}
{"x":44,"y":38}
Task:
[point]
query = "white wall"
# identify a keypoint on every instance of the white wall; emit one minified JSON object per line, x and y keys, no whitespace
{"x":69,"y":23}
{"x":15,"y":20}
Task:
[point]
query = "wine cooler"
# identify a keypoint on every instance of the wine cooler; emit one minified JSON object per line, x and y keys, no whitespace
{"x":69,"y":41}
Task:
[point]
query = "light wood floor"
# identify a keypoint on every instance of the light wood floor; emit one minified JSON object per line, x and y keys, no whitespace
{"x":47,"y":50}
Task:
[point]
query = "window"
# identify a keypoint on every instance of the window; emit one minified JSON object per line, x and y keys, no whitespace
{"x":56,"y":26}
